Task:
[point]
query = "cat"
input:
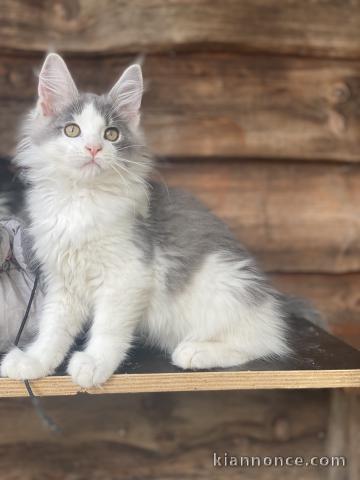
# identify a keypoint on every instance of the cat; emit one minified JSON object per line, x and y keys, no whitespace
{"x":138,"y":259}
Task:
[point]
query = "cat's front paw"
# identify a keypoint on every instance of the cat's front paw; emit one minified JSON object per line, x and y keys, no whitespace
{"x":87,"y":371}
{"x":22,"y":366}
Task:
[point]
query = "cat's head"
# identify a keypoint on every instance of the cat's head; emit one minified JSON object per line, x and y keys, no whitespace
{"x":84,"y":136}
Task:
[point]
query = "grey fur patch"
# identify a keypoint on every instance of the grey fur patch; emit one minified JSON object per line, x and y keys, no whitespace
{"x":186,"y":233}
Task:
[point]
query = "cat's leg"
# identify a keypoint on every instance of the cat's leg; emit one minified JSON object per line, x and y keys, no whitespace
{"x":229,"y":318}
{"x":231,"y":333}
{"x":61,"y":320}
{"x":119,"y":307}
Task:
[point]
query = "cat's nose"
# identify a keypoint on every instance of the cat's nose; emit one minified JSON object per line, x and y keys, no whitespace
{"x":93,"y":149}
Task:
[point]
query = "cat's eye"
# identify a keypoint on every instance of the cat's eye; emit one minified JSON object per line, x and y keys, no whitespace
{"x":72,"y":130}
{"x":111,"y":134}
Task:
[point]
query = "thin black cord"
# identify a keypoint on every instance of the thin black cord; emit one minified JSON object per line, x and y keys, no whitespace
{"x":48,"y":421}
{"x":33,"y":291}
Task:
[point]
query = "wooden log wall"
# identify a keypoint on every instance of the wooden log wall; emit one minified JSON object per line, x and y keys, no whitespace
{"x":172,"y":436}
{"x":252,"y":105}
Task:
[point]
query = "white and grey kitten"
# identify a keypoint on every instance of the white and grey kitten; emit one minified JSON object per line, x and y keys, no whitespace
{"x":135,"y":258}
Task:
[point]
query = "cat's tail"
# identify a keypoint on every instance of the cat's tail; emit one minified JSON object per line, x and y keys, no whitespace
{"x":299,"y":309}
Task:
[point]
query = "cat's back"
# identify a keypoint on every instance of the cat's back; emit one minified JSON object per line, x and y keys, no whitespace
{"x":178,"y":219}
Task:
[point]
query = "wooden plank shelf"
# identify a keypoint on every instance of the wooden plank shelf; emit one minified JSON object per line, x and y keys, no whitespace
{"x":319,"y":360}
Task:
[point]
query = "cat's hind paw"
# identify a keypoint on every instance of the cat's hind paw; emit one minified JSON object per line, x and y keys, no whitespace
{"x":20,"y":365}
{"x":87,"y":371}
{"x":190,"y":355}
{"x":205,"y":355}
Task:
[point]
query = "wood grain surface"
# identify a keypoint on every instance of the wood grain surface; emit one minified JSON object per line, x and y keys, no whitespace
{"x":189,"y":382}
{"x":164,"y":436}
{"x":311,"y":27}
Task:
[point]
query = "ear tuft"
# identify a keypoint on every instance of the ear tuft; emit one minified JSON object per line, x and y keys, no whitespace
{"x":56,"y":87}
{"x":127,"y":94}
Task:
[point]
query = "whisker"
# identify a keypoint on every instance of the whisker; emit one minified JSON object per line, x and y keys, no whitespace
{"x":120,"y":175}
{"x":142,"y":164}
{"x":130,"y":146}
{"x":126,"y":186}
{"x":143,"y":182}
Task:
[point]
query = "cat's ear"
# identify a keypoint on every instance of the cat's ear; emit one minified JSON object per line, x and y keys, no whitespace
{"x":56,"y":86}
{"x":127,"y":94}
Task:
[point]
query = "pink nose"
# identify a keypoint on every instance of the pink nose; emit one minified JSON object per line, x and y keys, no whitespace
{"x":93,"y":149}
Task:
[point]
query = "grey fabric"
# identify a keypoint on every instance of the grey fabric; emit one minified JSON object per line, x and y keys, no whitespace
{"x":17,"y":278}
{"x":5,"y":249}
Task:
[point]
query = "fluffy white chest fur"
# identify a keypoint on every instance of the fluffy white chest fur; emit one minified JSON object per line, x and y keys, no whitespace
{"x":83,"y":237}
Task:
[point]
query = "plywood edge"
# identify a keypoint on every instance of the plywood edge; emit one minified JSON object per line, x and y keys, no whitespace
{"x":189,"y":381}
